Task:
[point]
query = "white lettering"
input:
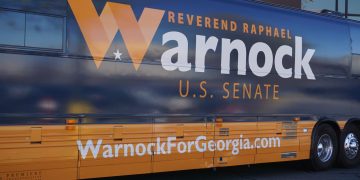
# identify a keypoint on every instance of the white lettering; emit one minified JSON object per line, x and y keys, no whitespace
{"x":253,"y":59}
{"x":200,"y":145}
{"x":303,"y":62}
{"x":170,"y":144}
{"x":107,"y":151}
{"x":142,"y":151}
{"x":226,"y":48}
{"x":89,"y":145}
{"x":181,"y":50}
{"x":279,"y":56}
{"x":202,"y":47}
{"x":198,"y":148}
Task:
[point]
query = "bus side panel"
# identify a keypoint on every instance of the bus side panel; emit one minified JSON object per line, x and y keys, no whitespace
{"x":295,"y":140}
{"x":43,"y":152}
{"x":112,"y":163}
{"x":230,"y":130}
{"x":184,"y":130}
{"x":264,"y":141}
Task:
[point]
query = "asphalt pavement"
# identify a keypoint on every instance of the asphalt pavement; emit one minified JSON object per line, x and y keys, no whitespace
{"x":272,"y":171}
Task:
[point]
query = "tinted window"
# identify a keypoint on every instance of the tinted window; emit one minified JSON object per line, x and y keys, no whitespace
{"x":55,"y":7}
{"x":44,"y":31}
{"x":355,"y":67}
{"x":292,"y":3}
{"x":354,"y":6}
{"x":354,"y":9}
{"x":12,"y":28}
{"x":318,"y":5}
{"x":356,"y":18}
{"x":355,"y":37}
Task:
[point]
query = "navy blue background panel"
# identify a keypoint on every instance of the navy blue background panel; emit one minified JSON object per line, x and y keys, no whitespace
{"x":63,"y":79}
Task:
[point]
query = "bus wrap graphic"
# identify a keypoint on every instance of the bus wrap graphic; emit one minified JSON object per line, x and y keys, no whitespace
{"x":99,"y":31}
{"x":172,"y":145}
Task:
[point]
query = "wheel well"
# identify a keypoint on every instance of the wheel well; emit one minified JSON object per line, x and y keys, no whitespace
{"x":354,"y":121}
{"x":330,"y":122}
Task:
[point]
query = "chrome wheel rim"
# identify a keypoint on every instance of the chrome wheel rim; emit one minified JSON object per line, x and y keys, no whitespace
{"x":325,"y":148}
{"x":351,"y":146}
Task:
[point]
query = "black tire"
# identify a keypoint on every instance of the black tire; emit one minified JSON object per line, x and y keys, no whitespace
{"x":343,"y":160}
{"x":315,"y":162}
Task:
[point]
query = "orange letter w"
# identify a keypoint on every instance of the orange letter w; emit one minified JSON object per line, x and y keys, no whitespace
{"x":99,"y":31}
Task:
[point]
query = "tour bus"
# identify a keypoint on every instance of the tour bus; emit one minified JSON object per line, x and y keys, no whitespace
{"x":100,"y":88}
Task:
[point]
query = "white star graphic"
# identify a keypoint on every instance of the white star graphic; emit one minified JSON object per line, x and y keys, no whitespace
{"x":117,"y":55}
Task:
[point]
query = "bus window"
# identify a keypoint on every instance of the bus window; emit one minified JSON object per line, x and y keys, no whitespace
{"x":12,"y":28}
{"x":29,"y":30}
{"x":355,"y":67}
{"x":44,"y":31}
{"x":355,"y":43}
{"x":57,"y":7}
{"x":354,"y":9}
{"x":292,"y":3}
{"x":356,"y":18}
{"x":318,"y":5}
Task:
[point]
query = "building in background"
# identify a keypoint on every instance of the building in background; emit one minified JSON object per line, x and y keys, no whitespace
{"x":348,"y":8}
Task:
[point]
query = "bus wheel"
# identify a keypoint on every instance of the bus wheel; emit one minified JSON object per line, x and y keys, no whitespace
{"x":324,"y":148}
{"x":349,"y":154}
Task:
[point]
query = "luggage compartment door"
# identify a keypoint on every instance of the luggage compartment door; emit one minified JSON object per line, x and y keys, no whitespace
{"x":179,"y":143}
{"x":277,"y":139}
{"x":233,"y":138}
{"x":38,"y":151}
{"x":120,"y":146}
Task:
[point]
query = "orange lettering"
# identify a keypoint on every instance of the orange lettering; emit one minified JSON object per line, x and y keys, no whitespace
{"x":190,"y":19}
{"x":207,"y":22}
{"x":171,"y":17}
{"x":198,"y":21}
{"x":245,"y":28}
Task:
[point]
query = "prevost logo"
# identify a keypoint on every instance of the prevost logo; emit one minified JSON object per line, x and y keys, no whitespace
{"x":99,"y":31}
